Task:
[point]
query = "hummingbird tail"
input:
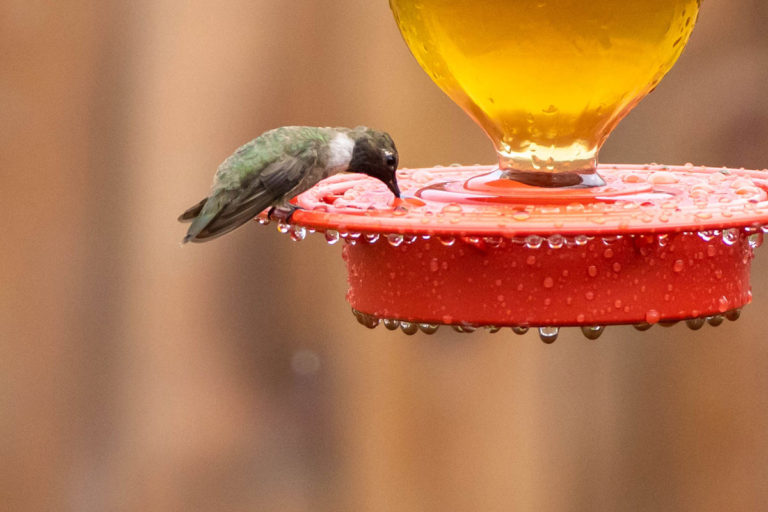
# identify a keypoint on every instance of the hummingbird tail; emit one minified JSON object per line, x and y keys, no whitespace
{"x":221,"y":213}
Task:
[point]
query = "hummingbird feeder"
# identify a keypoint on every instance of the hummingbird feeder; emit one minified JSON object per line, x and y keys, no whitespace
{"x":547,"y":239}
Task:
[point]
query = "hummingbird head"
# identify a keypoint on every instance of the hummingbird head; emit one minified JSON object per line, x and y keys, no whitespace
{"x":375,"y":154}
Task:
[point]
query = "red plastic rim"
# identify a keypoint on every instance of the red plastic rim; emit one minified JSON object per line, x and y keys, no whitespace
{"x":655,"y":244}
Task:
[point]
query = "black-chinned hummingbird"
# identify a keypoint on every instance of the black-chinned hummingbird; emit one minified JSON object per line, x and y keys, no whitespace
{"x":274,"y":168}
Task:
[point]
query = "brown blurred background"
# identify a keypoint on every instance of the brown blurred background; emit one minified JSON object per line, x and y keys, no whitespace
{"x":139,"y":375}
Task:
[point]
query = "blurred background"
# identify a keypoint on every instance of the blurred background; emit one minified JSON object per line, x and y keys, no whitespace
{"x":136,"y":374}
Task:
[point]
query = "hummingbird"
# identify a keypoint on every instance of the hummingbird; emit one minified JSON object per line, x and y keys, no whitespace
{"x":272,"y":169}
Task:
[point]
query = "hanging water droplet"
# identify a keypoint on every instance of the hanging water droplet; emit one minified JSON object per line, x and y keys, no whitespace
{"x":428,"y":328}
{"x":298,"y":233}
{"x":447,"y":240}
{"x":283,"y":227}
{"x":581,"y":240}
{"x":395,"y":239}
{"x":756,"y":240}
{"x":695,"y":323}
{"x":365,"y":319}
{"x":730,"y":236}
{"x":592,"y":332}
{"x":548,"y":334}
{"x":372,"y":238}
{"x":533,"y":241}
{"x":733,"y":314}
{"x":409,"y":239}
{"x":391,"y":323}
{"x":519,"y":330}
{"x":409,"y":328}
{"x":492,"y":328}
{"x":332,"y":236}
{"x":678,"y":266}
{"x":492,"y":241}
{"x":643,"y":326}
{"x":556,"y":241}
{"x":716,"y":320}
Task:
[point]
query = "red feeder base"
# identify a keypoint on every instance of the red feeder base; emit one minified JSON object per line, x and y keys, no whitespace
{"x":656,"y":244}
{"x":632,"y":279}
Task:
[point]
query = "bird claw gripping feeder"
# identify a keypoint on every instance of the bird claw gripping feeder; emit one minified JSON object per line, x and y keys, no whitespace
{"x":548,"y":238}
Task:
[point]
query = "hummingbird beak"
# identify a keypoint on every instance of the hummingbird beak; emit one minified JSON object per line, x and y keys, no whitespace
{"x":392,"y":185}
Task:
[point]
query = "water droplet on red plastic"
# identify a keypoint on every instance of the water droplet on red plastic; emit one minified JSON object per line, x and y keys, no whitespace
{"x":652,"y":316}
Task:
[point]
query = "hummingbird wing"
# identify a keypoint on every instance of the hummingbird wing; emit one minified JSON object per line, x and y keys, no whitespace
{"x":227,"y":209}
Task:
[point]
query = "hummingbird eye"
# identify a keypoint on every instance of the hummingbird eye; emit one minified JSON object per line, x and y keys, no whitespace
{"x":391,"y":161}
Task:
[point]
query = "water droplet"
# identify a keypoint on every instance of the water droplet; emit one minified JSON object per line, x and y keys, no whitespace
{"x":678,"y":266}
{"x":652,"y":316}
{"x":533,"y":241}
{"x":530,"y":260}
{"x":548,"y":334}
{"x":365,"y":319}
{"x":391,"y":323}
{"x":756,"y":240}
{"x":298,"y":233}
{"x":519,"y":330}
{"x":695,"y":323}
{"x":493,"y":241}
{"x":409,"y":328}
{"x":283,"y":227}
{"x":730,"y":236}
{"x":548,"y":282}
{"x":521,"y":216}
{"x":581,"y":240}
{"x":447,"y":240}
{"x":556,"y":241}
{"x":465,"y":328}
{"x":395,"y":239}
{"x":372,"y":238}
{"x":492,"y":329}
{"x":715,"y":320}
{"x":434,"y":265}
{"x":608,"y":253}
{"x":733,"y":314}
{"x":592,"y":271}
{"x":452,"y":208}
{"x":332,"y":236}
{"x":428,"y":328}
{"x":590,"y":295}
{"x":643,"y":326}
{"x":663,"y":240}
{"x":592,"y":332}
{"x":616,"y":267}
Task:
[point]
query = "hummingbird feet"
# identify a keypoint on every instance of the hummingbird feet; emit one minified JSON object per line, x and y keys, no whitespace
{"x":282,"y":213}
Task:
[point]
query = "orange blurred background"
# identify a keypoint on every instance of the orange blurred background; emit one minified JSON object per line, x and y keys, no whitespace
{"x":136,"y":374}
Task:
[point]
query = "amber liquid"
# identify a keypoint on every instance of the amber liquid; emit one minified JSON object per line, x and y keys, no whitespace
{"x":546,"y":79}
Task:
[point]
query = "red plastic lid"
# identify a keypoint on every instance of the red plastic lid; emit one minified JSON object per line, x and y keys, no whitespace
{"x":635,"y":200}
